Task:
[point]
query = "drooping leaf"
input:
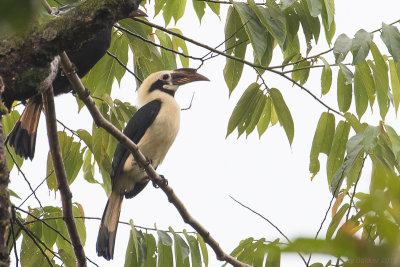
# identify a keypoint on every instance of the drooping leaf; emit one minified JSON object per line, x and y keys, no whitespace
{"x":151,"y":255}
{"x":194,"y":249}
{"x":301,"y":71}
{"x":215,"y":7}
{"x":344,"y":92}
{"x":310,"y":25}
{"x":381,"y":80}
{"x":341,"y":47}
{"x":273,"y":257}
{"x":265,"y":118}
{"x":165,"y":256}
{"x":272,"y":18}
{"x":360,"y":46}
{"x":199,"y":7}
{"x":360,"y":94}
{"x":254,"y":28}
{"x":236,"y":44}
{"x":326,"y":77}
{"x":167,"y":56}
{"x":322,"y":140}
{"x":336,"y":155}
{"x":336,"y":220}
{"x":181,"y":249}
{"x":244,"y":109}
{"x":391,"y":37}
{"x":315,"y":7}
{"x":395,"y":82}
{"x":179,"y":43}
{"x":367,"y":80}
{"x":203,"y":248}
{"x":283,"y":112}
{"x":327,"y":21}
{"x":173,"y":9}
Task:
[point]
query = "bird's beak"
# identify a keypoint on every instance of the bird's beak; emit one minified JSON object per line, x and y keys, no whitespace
{"x":186,"y":75}
{"x":137,"y":13}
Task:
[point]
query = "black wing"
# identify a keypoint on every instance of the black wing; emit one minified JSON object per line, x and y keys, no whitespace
{"x":135,"y":130}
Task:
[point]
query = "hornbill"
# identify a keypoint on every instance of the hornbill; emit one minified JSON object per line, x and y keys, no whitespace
{"x":153,"y":128}
{"x":23,"y":135}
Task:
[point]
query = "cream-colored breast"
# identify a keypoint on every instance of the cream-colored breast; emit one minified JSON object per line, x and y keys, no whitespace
{"x":162,"y":133}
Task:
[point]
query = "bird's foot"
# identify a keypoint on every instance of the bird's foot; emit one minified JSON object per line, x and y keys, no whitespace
{"x":87,"y":92}
{"x":164,"y":181}
{"x":149,"y":161}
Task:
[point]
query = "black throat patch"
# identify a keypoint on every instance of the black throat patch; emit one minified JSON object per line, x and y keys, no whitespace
{"x":159,"y":85}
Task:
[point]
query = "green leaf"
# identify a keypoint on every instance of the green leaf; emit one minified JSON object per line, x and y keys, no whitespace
{"x":175,"y":9}
{"x":265,"y":118}
{"x":180,"y":43}
{"x":194,"y":249}
{"x":344,"y":92}
{"x":244,"y":108}
{"x":8,"y":122}
{"x":301,"y":71}
{"x":310,"y":25}
{"x":322,"y":141}
{"x":181,"y":249}
{"x":215,"y":7}
{"x":13,"y":194}
{"x":255,"y":117}
{"x":49,"y":235}
{"x":360,"y":46}
{"x":381,"y":79}
{"x":151,"y":255}
{"x":72,"y":155}
{"x":255,"y":30}
{"x":273,"y":257}
{"x":330,"y":11}
{"x":314,"y":7}
{"x":284,"y":116}
{"x":199,"y":7}
{"x":338,"y":149}
{"x":391,"y":37}
{"x":203,"y":248}
{"x":360,"y":94}
{"x":329,"y":25}
{"x":348,"y":75}
{"x":77,"y":211}
{"x":259,"y":255}
{"x":167,"y":56}
{"x":272,"y":18}
{"x":395,"y":81}
{"x":354,"y":152}
{"x":236,"y":44}
{"x":326,"y":77}
{"x":165,"y":257}
{"x":336,"y":220}
{"x":68,"y":260}
{"x":242,"y":245}
{"x":341,"y":47}
{"x":367,"y":80}
{"x":88,"y":168}
{"x":395,"y":140}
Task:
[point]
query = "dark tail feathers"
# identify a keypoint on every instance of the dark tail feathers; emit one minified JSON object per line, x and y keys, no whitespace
{"x":23,"y":135}
{"x":108,"y":228}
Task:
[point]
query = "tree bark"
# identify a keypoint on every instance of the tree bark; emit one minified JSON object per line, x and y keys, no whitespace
{"x":24,"y":61}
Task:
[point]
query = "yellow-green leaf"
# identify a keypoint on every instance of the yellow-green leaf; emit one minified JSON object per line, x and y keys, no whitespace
{"x":283,"y":112}
{"x":344,"y":92}
{"x":395,"y":81}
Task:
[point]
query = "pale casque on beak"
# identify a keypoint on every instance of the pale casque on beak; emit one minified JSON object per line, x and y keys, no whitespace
{"x":186,"y":75}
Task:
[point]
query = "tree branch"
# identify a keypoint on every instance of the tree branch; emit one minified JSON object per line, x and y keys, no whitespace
{"x":141,"y":159}
{"x":24,"y":62}
{"x":61,"y":176}
{"x":5,"y":204}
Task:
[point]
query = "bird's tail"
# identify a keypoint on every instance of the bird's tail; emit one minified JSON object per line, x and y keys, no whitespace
{"x":23,"y":135}
{"x":108,"y":228}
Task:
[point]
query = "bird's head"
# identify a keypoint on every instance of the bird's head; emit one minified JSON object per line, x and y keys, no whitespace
{"x":167,"y":82}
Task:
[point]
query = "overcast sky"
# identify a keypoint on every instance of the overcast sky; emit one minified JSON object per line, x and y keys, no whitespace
{"x":204,"y":168}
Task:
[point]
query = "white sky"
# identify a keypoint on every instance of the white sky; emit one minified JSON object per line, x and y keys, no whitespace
{"x":204,"y":168}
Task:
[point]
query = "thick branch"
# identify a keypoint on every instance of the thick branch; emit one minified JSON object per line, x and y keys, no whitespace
{"x":61,"y":176}
{"x":5,"y":215}
{"x":24,"y":61}
{"x":141,"y":159}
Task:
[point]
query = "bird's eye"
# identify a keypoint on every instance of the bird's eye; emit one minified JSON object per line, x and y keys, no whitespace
{"x":165,"y":77}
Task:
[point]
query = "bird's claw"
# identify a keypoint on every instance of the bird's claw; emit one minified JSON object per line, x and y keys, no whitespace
{"x":87,"y":92}
{"x":149,"y":161}
{"x":164,"y":182}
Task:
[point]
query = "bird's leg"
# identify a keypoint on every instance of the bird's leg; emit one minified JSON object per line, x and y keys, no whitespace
{"x":149,"y":161}
{"x":164,"y":181}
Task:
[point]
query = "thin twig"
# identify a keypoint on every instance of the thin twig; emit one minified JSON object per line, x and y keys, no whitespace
{"x":123,"y":65}
{"x":23,"y":174}
{"x":61,"y":177}
{"x":273,"y":225}
{"x":37,"y":219}
{"x":355,"y":187}
{"x":14,"y":243}
{"x":37,"y":187}
{"x":157,"y":45}
{"x":34,"y":241}
{"x":190,"y":105}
